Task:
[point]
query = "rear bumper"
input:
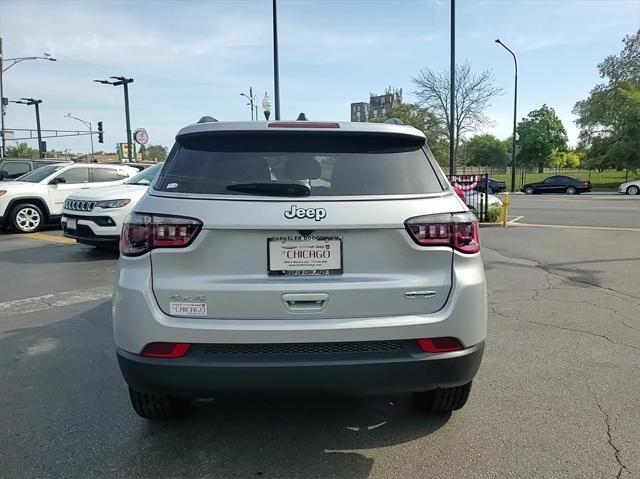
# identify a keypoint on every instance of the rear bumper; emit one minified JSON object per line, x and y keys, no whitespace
{"x":192,"y":377}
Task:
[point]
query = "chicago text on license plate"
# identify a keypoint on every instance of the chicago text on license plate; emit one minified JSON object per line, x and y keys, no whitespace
{"x":302,"y":255}
{"x":187,"y":309}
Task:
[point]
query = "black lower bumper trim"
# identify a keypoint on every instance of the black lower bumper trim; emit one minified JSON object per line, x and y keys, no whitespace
{"x":190,"y":377}
{"x":93,"y":240}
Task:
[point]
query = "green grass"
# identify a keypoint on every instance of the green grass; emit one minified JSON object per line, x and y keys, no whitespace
{"x":606,"y":180}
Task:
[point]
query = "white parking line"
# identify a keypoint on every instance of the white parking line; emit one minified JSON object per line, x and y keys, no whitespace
{"x":515,"y":220}
{"x":574,"y":227}
{"x":56,"y":300}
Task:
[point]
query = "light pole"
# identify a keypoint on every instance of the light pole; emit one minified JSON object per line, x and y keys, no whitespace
{"x":88,"y":125}
{"x":452,"y":91}
{"x":36,"y":103}
{"x":251,"y":101}
{"x":125,"y":83}
{"x":515,"y":109}
{"x":4,"y":101}
{"x":266,"y":106}
{"x":276,"y":73}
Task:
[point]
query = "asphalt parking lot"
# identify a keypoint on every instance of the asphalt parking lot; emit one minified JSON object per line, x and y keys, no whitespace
{"x":557,"y":395}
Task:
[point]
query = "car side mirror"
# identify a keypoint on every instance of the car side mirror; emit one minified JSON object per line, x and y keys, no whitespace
{"x":57,"y":181}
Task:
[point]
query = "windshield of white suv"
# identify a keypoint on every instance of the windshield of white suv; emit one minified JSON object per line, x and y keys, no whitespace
{"x":40,"y":174}
{"x":145,"y":177}
{"x":299,"y":165}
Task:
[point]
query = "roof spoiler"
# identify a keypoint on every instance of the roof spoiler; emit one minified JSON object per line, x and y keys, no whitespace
{"x":207,"y":119}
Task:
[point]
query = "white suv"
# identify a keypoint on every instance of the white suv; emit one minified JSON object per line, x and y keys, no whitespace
{"x":36,"y":198}
{"x":95,"y":217}
{"x":299,"y":257}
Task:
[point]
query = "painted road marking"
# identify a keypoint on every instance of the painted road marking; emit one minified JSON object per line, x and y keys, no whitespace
{"x":515,"y":220}
{"x":55,"y":300}
{"x":599,"y":228}
{"x":50,"y":238}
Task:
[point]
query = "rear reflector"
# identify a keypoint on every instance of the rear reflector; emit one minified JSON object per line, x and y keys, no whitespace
{"x":301,"y":124}
{"x":458,"y":231}
{"x":165,"y":350}
{"x":440,"y":345}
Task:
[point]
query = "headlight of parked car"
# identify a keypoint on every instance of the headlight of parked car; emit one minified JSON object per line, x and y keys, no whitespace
{"x":112,"y":203}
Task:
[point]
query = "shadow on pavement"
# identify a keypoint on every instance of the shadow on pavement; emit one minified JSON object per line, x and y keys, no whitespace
{"x":46,"y":253}
{"x":68,"y":415}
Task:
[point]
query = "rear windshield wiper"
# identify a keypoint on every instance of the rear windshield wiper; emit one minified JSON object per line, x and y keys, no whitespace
{"x":272,"y":189}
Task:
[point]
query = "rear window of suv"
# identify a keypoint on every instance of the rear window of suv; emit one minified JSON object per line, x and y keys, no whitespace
{"x":341,"y":164}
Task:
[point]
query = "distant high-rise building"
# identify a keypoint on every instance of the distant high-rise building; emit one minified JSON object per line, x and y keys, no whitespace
{"x":378,"y":106}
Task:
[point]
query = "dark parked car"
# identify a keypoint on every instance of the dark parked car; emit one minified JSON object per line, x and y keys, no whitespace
{"x":557,"y":184}
{"x":12,"y":168}
{"x":495,"y":186}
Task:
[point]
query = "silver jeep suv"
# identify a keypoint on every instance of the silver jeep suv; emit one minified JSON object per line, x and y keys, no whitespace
{"x":299,"y":257}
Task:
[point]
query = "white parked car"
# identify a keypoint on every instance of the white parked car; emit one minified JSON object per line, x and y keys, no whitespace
{"x":95,"y":217}
{"x":474,"y":198}
{"x":36,"y":198}
{"x":630,"y":187}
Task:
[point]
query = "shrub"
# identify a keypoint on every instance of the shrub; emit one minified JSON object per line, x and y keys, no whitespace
{"x":494,"y":214}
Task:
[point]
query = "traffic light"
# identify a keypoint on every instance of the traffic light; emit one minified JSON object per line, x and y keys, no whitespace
{"x":100,"y":133}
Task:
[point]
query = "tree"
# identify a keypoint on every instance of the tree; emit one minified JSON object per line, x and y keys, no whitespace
{"x":609,"y":119}
{"x":21,"y":151}
{"x":156,"y":152}
{"x":541,"y":133}
{"x":564,"y":159}
{"x":485,"y":150}
{"x":423,"y":120}
{"x":473,"y":96}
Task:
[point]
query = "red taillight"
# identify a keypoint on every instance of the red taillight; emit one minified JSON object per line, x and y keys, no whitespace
{"x":142,"y":233}
{"x":458,"y":231}
{"x":440,"y":345}
{"x":166,"y":350}
{"x":585,"y":184}
{"x":302,"y":124}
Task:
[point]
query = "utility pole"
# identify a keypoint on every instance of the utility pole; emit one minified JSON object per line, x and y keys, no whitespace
{"x":515,"y":110}
{"x":36,"y":103}
{"x":251,"y":99}
{"x":3,"y":104}
{"x":88,"y":125}
{"x":452,"y":92}
{"x":123,"y":81}
{"x":276,"y":74}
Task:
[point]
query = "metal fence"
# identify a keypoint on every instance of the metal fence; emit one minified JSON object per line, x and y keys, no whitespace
{"x":474,"y":188}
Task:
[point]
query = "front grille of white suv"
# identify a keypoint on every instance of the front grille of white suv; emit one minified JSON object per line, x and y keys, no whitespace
{"x":79,"y":205}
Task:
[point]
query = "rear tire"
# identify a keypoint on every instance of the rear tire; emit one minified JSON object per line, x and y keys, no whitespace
{"x":633,"y":190}
{"x":571,"y":190}
{"x":443,"y":400}
{"x":158,"y":407}
{"x":528,"y":190}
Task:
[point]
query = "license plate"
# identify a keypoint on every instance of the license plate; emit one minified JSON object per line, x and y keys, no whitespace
{"x":72,"y":223}
{"x":187,"y":309}
{"x":304,"y":255}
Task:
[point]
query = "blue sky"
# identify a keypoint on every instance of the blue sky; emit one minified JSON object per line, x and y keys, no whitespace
{"x":191,"y":58}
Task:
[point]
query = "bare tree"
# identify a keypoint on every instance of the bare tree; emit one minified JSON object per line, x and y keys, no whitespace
{"x":473,"y":96}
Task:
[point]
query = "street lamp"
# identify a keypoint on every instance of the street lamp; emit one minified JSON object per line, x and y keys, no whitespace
{"x":36,"y":103}
{"x":515,"y":109}
{"x":266,"y":106}
{"x":123,"y":81}
{"x":4,"y":101}
{"x":88,"y":125}
{"x":252,"y":99}
{"x":276,"y":71}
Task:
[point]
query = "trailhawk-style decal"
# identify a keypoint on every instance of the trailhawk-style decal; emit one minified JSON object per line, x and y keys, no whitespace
{"x":301,"y":213}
